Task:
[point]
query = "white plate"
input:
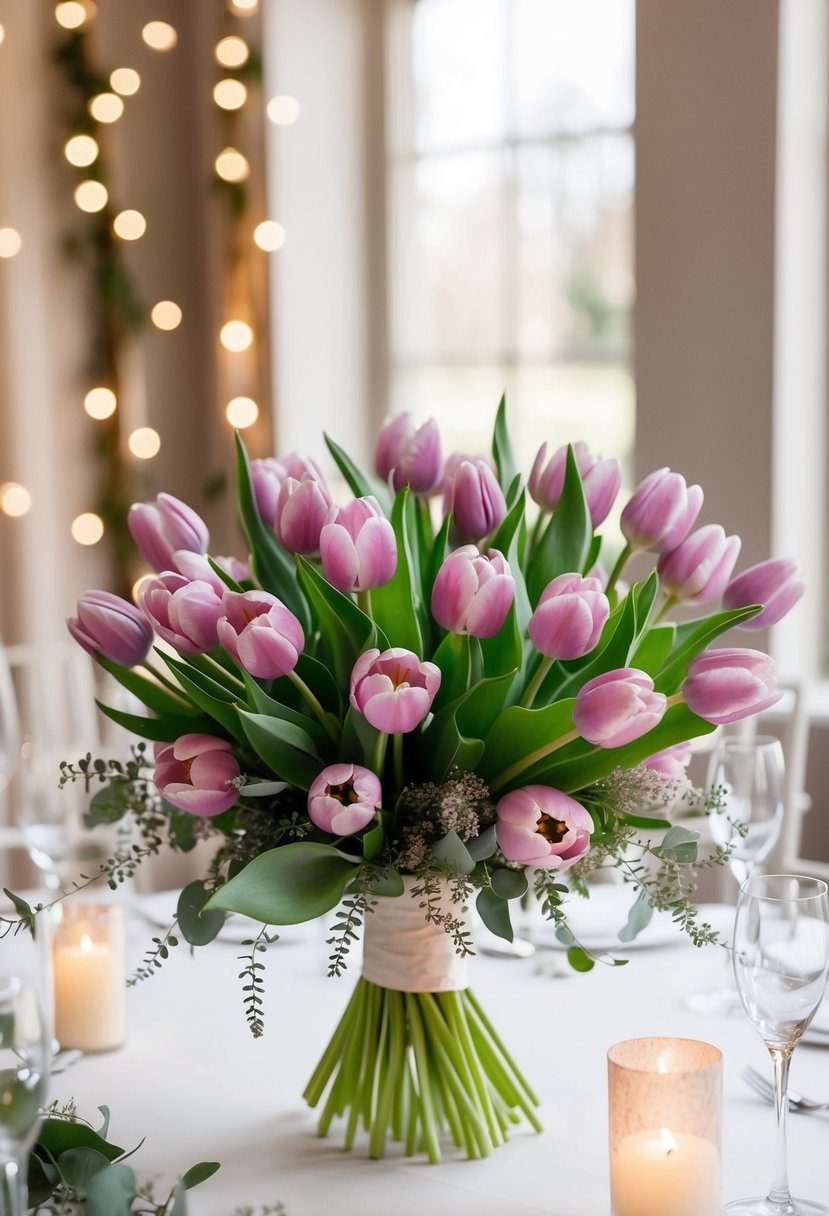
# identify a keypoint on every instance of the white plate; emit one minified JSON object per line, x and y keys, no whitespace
{"x":159,"y":908}
{"x":596,"y":922}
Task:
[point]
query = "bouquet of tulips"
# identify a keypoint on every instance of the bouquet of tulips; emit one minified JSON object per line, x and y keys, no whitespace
{"x":400,"y":712}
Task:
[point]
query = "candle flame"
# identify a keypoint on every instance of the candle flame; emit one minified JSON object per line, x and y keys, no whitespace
{"x":667,"y":1141}
{"x":86,"y":943}
{"x":661,"y":1065}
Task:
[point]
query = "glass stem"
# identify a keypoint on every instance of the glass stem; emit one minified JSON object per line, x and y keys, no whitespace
{"x":779,"y":1192}
{"x":13,"y":1194}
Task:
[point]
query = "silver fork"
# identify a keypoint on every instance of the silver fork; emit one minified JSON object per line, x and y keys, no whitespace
{"x":762,"y":1086}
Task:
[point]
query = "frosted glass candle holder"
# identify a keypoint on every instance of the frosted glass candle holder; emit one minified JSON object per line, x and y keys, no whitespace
{"x":665,"y":1105}
{"x":89,"y":977}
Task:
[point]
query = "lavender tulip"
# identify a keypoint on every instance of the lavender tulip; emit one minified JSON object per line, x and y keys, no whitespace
{"x":108,"y":625}
{"x":344,"y":798}
{"x":475,"y":498}
{"x":301,"y":510}
{"x":600,"y":479}
{"x":661,"y":512}
{"x":268,"y":475}
{"x":541,"y":827}
{"x":617,"y":707}
{"x":184,"y":612}
{"x":698,"y":570}
{"x":358,"y":546}
{"x":394,"y":690}
{"x":728,"y":684}
{"x":160,"y":528}
{"x":410,"y":455}
{"x":195,"y":772}
{"x":773,"y":583}
{"x":570,"y":617}
{"x":473,"y":592}
{"x":260,"y":633}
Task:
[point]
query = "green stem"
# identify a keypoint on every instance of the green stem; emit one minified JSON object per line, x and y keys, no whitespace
{"x":312,"y":700}
{"x":364,"y":601}
{"x":218,"y":672}
{"x":380,"y":754}
{"x":536,"y":532}
{"x":617,"y":569}
{"x":536,"y":682}
{"x":670,"y":600}
{"x":520,"y":766}
{"x":421,"y":1054}
{"x":397,"y":747}
{"x":165,"y":680}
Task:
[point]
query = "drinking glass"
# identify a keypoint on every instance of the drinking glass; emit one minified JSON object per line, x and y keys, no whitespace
{"x":781,"y":961}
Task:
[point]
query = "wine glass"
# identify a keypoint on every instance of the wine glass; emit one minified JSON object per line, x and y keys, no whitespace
{"x":781,"y":961}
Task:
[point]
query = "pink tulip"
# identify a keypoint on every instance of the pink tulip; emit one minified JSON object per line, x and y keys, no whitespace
{"x":698,"y":570}
{"x":413,"y":456}
{"x":159,"y":528}
{"x":195,"y":566}
{"x":671,"y":762}
{"x":357,"y":546}
{"x":473,"y":592}
{"x":195,"y":772}
{"x":728,"y":684}
{"x":301,"y":510}
{"x":570,"y":617}
{"x":238,"y":570}
{"x":600,"y":479}
{"x":260,"y":633}
{"x":475,"y":498}
{"x":344,"y":798}
{"x":773,"y":583}
{"x":394,"y":690}
{"x":617,"y":707}
{"x":267,"y":477}
{"x":539,"y":826}
{"x":184,"y":612}
{"x":661,"y":512}
{"x":111,"y":626}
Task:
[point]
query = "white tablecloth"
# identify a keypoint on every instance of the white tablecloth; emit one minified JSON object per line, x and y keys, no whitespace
{"x":198,"y":1087}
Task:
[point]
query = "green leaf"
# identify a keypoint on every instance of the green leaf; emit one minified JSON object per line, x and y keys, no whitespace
{"x":360,"y":485}
{"x":179,"y":1207}
{"x":396,"y":605}
{"x":693,"y":639}
{"x":108,"y":804}
{"x":518,"y":733}
{"x":654,"y":648}
{"x":505,"y":651}
{"x":223,"y":575}
{"x":502,"y":448}
{"x":162,"y":730}
{"x":483,"y":846}
{"x":23,"y":909}
{"x":495,"y":914}
{"x":105,"y":1114}
{"x":454,"y":737}
{"x":509,"y":884}
{"x":565,"y":542}
{"x":182,"y":828}
{"x":374,"y":839}
{"x":579,"y":959}
{"x":679,"y":844}
{"x":209,"y":695}
{"x":288,"y":885}
{"x":644,"y":595}
{"x":155,"y":696}
{"x":197,"y":1174}
{"x":344,"y":627}
{"x":385,"y":882}
{"x":288,"y":750}
{"x":452,"y":849}
{"x":58,"y":1136}
{"x":639,"y":917}
{"x":198,"y":927}
{"x":271,"y":708}
{"x":459,"y":660}
{"x":79,"y":1166}
{"x":111,"y":1192}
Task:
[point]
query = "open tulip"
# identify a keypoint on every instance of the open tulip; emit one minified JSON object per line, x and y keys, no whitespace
{"x":301,"y":510}
{"x":600,"y":479}
{"x":570,"y":617}
{"x":195,"y":772}
{"x":394,"y":690}
{"x":617,"y":707}
{"x":111,"y":626}
{"x":344,"y":798}
{"x":358,"y":546}
{"x":539,"y":826}
{"x":262,"y":635}
{"x":160,"y":527}
{"x":183,"y":611}
{"x":661,"y":512}
{"x":473,"y":592}
{"x":729,"y":684}
{"x":773,"y":583}
{"x":411,"y":455}
{"x":698,"y":570}
{"x":475,"y":498}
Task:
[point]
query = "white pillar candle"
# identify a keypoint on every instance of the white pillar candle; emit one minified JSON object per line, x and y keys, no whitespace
{"x":88,"y":967}
{"x":663,"y":1173}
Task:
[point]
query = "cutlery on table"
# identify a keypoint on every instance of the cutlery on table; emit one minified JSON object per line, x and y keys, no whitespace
{"x":765,"y":1089}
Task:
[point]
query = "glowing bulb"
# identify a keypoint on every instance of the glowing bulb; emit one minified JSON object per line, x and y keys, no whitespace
{"x":242,"y":412}
{"x":269,"y":235}
{"x":3,"y":35}
{"x":129,"y":225}
{"x":230,"y":94}
{"x":100,"y":403}
{"x":283,"y":110}
{"x":236,"y":336}
{"x":10,"y":242}
{"x":243,"y":8}
{"x":88,"y":528}
{"x":70,"y":15}
{"x":125,"y":81}
{"x":91,"y":196}
{"x":144,"y":443}
{"x":232,"y":52}
{"x":14,"y":499}
{"x":81,"y":150}
{"x":166,"y":314}
{"x":232,"y":166}
{"x":159,"y":35}
{"x":106,"y":107}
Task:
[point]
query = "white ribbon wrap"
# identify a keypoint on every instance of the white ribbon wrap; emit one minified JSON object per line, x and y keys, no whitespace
{"x":404,"y":951}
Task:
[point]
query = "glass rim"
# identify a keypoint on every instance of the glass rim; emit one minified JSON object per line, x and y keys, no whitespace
{"x":754,"y":743}
{"x":616,"y":1050}
{"x":820,"y":885}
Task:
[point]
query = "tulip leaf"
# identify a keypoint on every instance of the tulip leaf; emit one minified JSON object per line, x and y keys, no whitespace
{"x":319,"y":679}
{"x":396,"y":605}
{"x":504,"y":652}
{"x":209,"y":695}
{"x":360,"y":485}
{"x":155,"y":696}
{"x":288,"y":885}
{"x":450,"y":848}
{"x":495,"y":914}
{"x":198,"y":927}
{"x":454,"y":737}
{"x":693,"y":639}
{"x":654,"y":648}
{"x":502,"y":447}
{"x":345,"y":628}
{"x":592,"y":555}
{"x":161,"y":730}
{"x":509,"y":884}
{"x":644,"y":595}
{"x":374,"y":838}
{"x":265,"y":704}
{"x":459,"y":660}
{"x":287,"y":749}
{"x":639,"y":917}
{"x":518,"y":734}
{"x":222,"y":574}
{"x":565,"y":543}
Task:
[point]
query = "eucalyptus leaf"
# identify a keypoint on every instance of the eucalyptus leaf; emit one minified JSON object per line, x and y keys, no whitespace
{"x":287,"y":885}
{"x":198,"y":926}
{"x":79,"y":1165}
{"x":197,"y":1174}
{"x":579,"y":959}
{"x":509,"y":884}
{"x":484,"y":845}
{"x":639,"y":917}
{"x":680,"y":844}
{"x":452,"y":849}
{"x":495,"y":914}
{"x":384,"y":882}
{"x":110,"y":1192}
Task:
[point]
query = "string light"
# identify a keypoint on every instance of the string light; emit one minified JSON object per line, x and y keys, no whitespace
{"x":236,"y":336}
{"x":129,"y":225}
{"x":81,"y":150}
{"x":106,"y":107}
{"x":283,"y":110}
{"x":144,"y":443}
{"x":232,"y":52}
{"x":230,"y":94}
{"x":269,"y":235}
{"x":125,"y":81}
{"x":3,"y":35}
{"x":11,"y":242}
{"x":15,"y":499}
{"x":88,"y":528}
{"x":166,"y":314}
{"x":243,"y":8}
{"x":242,"y":412}
{"x":232,"y":166}
{"x":91,"y":196}
{"x":70,"y":15}
{"x":159,"y":35}
{"x":100,"y":403}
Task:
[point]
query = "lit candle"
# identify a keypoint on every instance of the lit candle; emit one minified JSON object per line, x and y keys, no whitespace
{"x":88,"y":964}
{"x":659,"y":1172}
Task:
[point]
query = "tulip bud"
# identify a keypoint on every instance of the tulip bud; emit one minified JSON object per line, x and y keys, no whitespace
{"x":358,"y":546}
{"x":394,"y":690}
{"x":773,"y":583}
{"x":600,"y":479}
{"x":111,"y":626}
{"x":671,"y":762}
{"x":570,"y":617}
{"x":260,"y":633}
{"x":344,"y":798}
{"x":184,"y":612}
{"x":159,"y":528}
{"x":473,"y":592}
{"x":195,"y":772}
{"x":475,"y":498}
{"x":617,"y":707}
{"x":541,"y":827}
{"x":661,"y":512}
{"x":699,"y":568}
{"x":412,"y":455}
{"x":266,"y":477}
{"x":730,"y":683}
{"x":301,"y":510}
